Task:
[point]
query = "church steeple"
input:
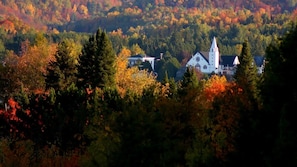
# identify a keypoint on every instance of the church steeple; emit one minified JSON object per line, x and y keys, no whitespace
{"x":214,"y":56}
{"x":214,"y":46}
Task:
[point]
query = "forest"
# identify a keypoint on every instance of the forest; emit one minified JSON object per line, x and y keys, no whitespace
{"x":176,"y":29}
{"x":69,"y":98}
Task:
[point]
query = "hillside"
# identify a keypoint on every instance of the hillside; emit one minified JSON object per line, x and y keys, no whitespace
{"x":53,"y":12}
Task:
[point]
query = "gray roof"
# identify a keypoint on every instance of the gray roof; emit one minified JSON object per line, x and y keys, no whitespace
{"x":138,"y":56}
{"x":205,"y":55}
{"x":259,"y":60}
{"x":227,"y":60}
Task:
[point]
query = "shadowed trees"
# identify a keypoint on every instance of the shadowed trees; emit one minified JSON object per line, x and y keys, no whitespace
{"x":96,"y":62}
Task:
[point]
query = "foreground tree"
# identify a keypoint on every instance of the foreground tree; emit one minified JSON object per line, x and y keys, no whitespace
{"x":279,"y":93}
{"x":96,"y":62}
{"x":246,"y":80}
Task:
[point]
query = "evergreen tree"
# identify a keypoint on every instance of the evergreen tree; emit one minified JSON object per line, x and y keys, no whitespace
{"x":172,"y":85}
{"x":96,"y":62}
{"x":246,"y":72}
{"x":190,"y":79}
{"x":246,"y":78}
{"x":279,"y":99}
{"x":61,"y":72}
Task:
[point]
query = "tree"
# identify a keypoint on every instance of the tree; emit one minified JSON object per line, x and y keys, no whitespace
{"x":28,"y":69}
{"x":246,"y":79}
{"x":96,"y":62}
{"x":246,"y":75}
{"x":278,"y":92}
{"x":170,"y":66}
{"x":61,"y":72}
{"x":190,"y":79}
{"x":131,"y":79}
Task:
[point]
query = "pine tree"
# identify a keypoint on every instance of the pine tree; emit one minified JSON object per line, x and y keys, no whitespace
{"x":279,"y":95}
{"x":246,"y":75}
{"x":61,"y":72}
{"x":96,"y":62}
{"x":246,"y":79}
{"x":190,"y":79}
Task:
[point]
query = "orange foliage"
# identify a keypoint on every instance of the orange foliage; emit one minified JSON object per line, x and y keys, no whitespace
{"x":13,"y":107}
{"x":8,"y":26}
{"x":214,"y":86}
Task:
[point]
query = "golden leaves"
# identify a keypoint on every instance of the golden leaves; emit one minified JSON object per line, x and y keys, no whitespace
{"x":131,"y":78}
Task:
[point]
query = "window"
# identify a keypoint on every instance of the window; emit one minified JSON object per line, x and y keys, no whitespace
{"x":197,"y":66}
{"x":204,"y":67}
{"x":197,"y":59}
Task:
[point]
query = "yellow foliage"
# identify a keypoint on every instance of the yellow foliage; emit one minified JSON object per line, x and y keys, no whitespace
{"x":131,"y":79}
{"x":82,"y":9}
{"x":28,"y":69}
{"x":30,"y":9}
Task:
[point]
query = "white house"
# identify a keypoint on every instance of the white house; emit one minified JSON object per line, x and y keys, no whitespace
{"x":213,"y":62}
{"x":138,"y":59}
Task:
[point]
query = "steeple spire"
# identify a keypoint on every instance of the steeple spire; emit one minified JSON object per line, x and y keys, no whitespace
{"x":214,"y":46}
{"x":214,"y":56}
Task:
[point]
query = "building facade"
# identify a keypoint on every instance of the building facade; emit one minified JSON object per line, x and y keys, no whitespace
{"x":137,"y":60}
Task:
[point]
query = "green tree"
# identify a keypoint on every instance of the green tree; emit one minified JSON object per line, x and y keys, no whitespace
{"x":246,"y":79}
{"x":170,"y":66}
{"x":246,"y":75}
{"x":61,"y":72}
{"x":96,"y":62}
{"x":190,"y":79}
{"x":279,"y":92}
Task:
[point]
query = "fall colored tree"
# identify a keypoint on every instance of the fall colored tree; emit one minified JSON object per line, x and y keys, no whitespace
{"x":28,"y":69}
{"x":131,"y":79}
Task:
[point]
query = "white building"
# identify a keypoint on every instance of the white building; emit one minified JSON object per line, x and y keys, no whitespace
{"x":138,"y":59}
{"x":213,"y":62}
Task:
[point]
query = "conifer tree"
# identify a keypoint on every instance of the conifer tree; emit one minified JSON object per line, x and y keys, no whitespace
{"x":246,"y":79}
{"x":190,"y":79}
{"x":246,"y":72}
{"x":96,"y":62}
{"x":61,"y":72}
{"x":279,"y":95}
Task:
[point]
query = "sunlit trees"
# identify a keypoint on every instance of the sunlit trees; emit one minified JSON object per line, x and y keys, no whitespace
{"x":131,"y":79}
{"x":28,"y":68}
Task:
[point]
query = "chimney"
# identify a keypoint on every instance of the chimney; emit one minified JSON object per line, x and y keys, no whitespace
{"x":161,"y":55}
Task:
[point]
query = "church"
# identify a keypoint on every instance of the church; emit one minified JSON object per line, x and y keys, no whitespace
{"x":213,"y":62}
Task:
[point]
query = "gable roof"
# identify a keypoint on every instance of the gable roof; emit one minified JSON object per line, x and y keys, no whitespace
{"x":227,"y":60}
{"x":259,"y":60}
{"x":205,"y":55}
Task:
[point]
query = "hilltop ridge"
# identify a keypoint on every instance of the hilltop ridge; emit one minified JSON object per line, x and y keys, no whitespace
{"x":46,"y":13}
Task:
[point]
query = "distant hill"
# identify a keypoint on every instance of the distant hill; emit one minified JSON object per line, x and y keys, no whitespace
{"x":59,"y":12}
